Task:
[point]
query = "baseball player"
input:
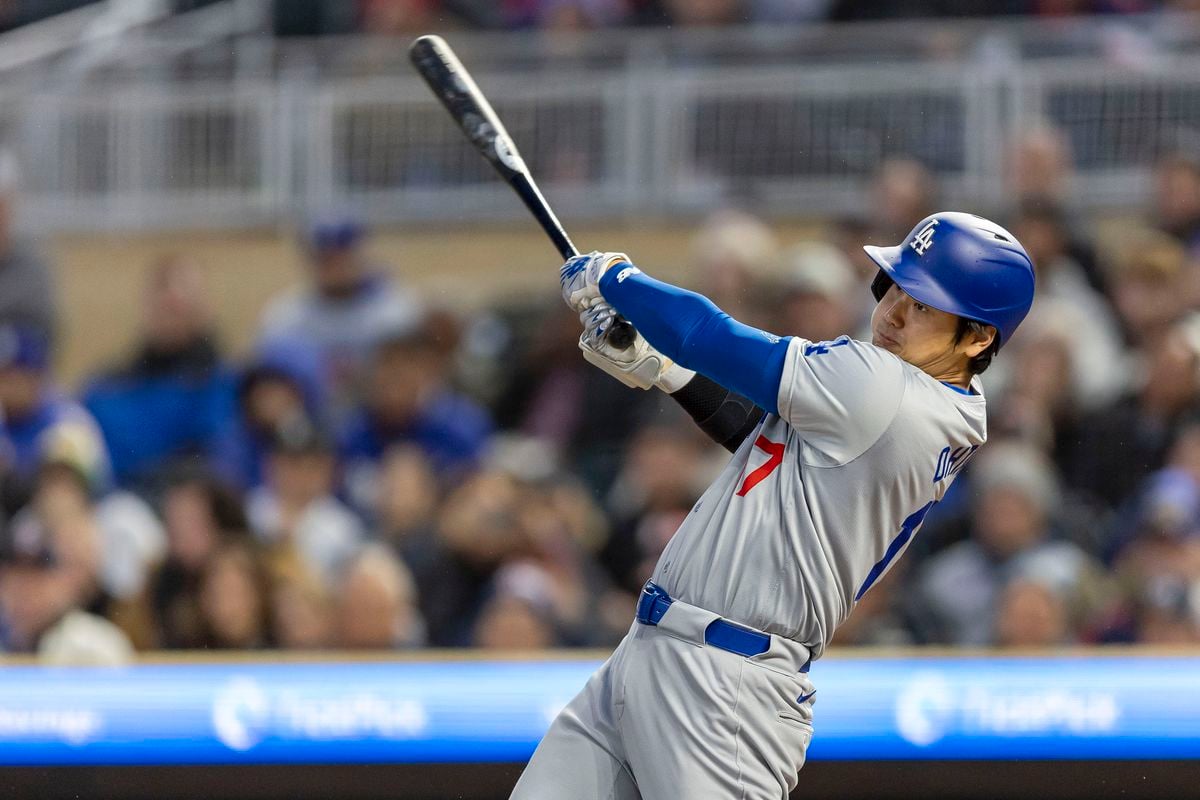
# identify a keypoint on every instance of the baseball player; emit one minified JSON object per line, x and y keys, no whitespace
{"x":840,"y":450}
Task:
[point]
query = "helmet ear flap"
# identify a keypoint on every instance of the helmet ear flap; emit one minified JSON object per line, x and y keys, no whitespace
{"x":881,"y":284}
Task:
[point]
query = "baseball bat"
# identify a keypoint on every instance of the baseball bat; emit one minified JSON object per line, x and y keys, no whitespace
{"x":457,"y":91}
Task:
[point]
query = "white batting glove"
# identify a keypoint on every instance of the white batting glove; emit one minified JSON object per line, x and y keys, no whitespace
{"x":639,"y":365}
{"x":580,"y":277}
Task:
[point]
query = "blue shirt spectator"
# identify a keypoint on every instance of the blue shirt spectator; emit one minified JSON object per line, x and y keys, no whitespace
{"x":174,"y":396}
{"x":37,"y":415}
{"x":409,"y":401}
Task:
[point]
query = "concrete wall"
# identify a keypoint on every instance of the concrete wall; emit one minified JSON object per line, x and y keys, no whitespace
{"x":100,"y":278}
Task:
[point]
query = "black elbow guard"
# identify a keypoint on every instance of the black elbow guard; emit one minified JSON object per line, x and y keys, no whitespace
{"x":727,"y":418}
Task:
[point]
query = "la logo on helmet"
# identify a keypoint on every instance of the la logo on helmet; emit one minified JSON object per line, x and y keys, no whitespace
{"x":924,"y":238}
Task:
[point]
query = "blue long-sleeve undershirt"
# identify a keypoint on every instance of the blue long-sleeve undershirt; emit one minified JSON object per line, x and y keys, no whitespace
{"x":689,"y":329}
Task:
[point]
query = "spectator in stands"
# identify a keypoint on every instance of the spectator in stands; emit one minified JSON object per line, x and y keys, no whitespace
{"x":281,"y":382}
{"x":301,"y":609}
{"x":1158,"y":561}
{"x":554,"y":396}
{"x":132,"y":542}
{"x":51,"y":558}
{"x":903,"y":193}
{"x":1041,"y":170}
{"x":1037,"y":400}
{"x":81,"y":639}
{"x":346,"y":307}
{"x":377,"y":603}
{"x":1148,"y":290}
{"x":295,"y":514}
{"x":479,"y":529}
{"x":1167,"y":612}
{"x":27,"y":298}
{"x":200,"y":515}
{"x":878,"y":617}
{"x":733,"y":252}
{"x":1015,"y":496}
{"x":565,"y":532}
{"x":172,"y":398}
{"x":519,"y":613}
{"x":1176,"y":207}
{"x":234,"y":600}
{"x":1167,"y":505}
{"x":664,"y":473}
{"x":409,"y":400}
{"x":33,"y":408}
{"x":405,"y":504}
{"x":1064,"y":293}
{"x":1032,"y":613}
{"x":1040,"y":165}
{"x":847,"y":234}
{"x":815,"y":299}
{"x":1122,"y":443}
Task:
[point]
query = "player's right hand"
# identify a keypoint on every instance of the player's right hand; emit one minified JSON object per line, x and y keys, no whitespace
{"x":639,"y":365}
{"x":579,"y":278}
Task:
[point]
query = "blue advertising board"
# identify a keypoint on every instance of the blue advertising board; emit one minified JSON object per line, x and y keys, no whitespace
{"x":1103,"y":707}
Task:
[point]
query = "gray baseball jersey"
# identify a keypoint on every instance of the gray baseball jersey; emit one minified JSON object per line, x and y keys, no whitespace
{"x":812,"y":509}
{"x":822,"y":498}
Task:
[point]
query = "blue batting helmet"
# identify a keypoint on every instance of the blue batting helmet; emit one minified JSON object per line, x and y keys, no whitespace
{"x":964,"y":265}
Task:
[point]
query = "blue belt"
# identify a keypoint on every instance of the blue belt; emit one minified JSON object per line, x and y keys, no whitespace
{"x":721,"y":633}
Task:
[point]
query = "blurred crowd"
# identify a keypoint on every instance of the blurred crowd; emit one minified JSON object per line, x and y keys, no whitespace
{"x":381,"y":472}
{"x":388,"y":17}
{"x":385,"y":17}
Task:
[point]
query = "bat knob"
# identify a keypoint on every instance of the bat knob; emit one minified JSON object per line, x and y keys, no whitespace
{"x":622,"y":335}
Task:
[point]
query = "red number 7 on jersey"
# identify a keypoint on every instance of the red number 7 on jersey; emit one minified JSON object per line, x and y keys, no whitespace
{"x":774,"y":451}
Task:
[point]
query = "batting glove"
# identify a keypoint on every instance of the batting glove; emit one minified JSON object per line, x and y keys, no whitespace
{"x":580,"y":277}
{"x":639,"y":365}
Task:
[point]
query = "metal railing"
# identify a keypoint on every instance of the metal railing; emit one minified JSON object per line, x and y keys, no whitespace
{"x":648,"y":132}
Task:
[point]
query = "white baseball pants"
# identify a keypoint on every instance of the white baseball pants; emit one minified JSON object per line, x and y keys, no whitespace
{"x":669,"y":717}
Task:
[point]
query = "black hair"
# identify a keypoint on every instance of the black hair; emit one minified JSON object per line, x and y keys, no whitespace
{"x":223,"y":500}
{"x":405,"y":342}
{"x":981,"y":362}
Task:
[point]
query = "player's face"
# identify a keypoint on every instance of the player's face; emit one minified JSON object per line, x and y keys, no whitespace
{"x":921,"y":335}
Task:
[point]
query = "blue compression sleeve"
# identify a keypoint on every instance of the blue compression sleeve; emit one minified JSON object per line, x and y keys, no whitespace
{"x":689,"y":329}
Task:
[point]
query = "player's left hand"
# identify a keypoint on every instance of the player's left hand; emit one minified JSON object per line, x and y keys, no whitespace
{"x":639,"y":365}
{"x":579,"y":278}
